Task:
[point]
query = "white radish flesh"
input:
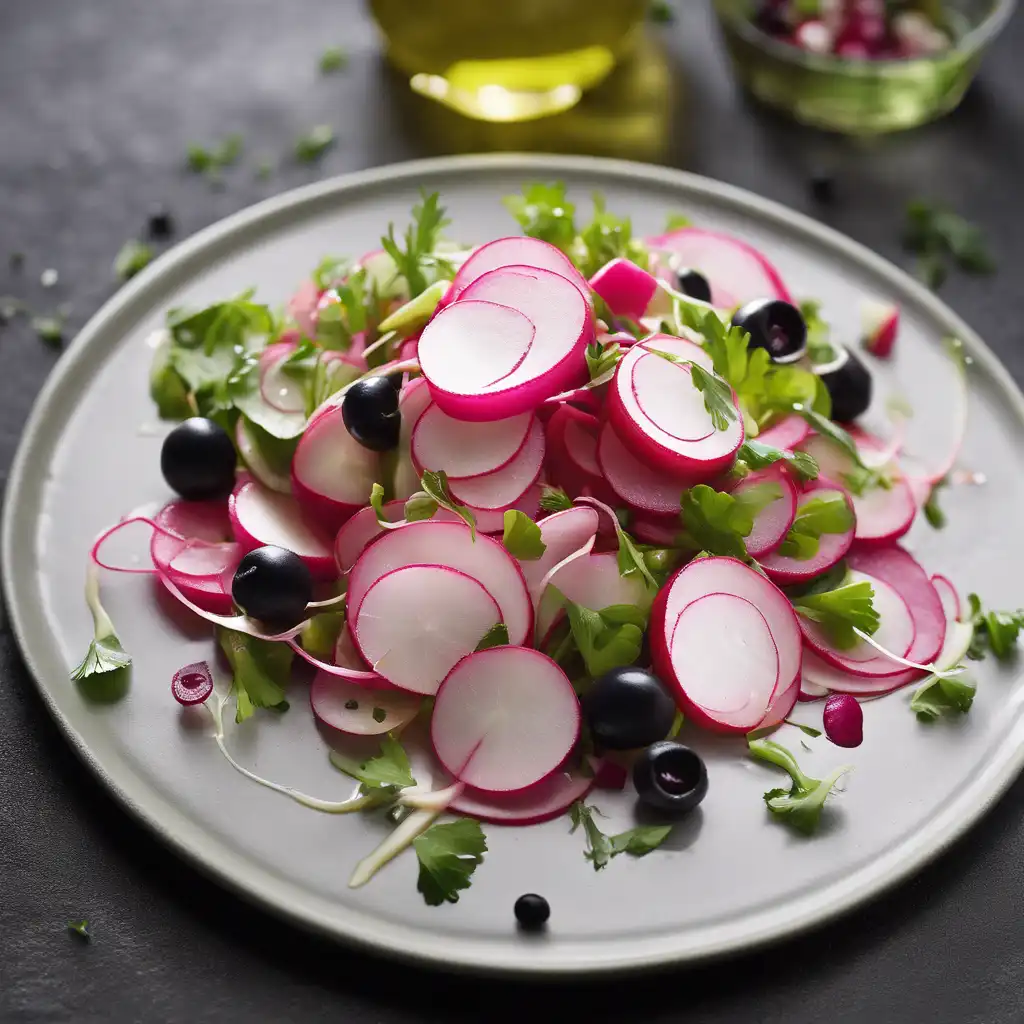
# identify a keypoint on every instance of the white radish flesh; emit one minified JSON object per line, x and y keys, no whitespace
{"x":542,"y":802}
{"x":351,"y":709}
{"x":781,"y":706}
{"x":646,"y":489}
{"x":949,"y":597}
{"x":507,"y":485}
{"x":819,"y":676}
{"x":772,"y":523}
{"x":359,"y":531}
{"x":563,"y":533}
{"x":413,"y":401}
{"x":452,"y":545}
{"x":493,"y":520}
{"x":504,"y":719}
{"x":581,"y":443}
{"x":462,"y":449}
{"x":260,"y":516}
{"x":595,"y":582}
{"x":279,"y":390}
{"x":787,"y":433}
{"x":832,"y":547}
{"x":416,"y":622}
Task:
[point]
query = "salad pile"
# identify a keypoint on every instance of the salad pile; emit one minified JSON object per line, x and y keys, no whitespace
{"x":523,"y":508}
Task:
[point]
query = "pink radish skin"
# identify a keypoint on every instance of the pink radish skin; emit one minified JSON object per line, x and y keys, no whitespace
{"x":416,"y":622}
{"x":949,"y":597}
{"x":451,"y":545}
{"x":541,"y":802}
{"x":880,"y":324}
{"x":505,"y":719}
{"x":657,"y":410}
{"x":505,"y":486}
{"x":630,"y":291}
{"x":348,"y":664}
{"x":843,"y":720}
{"x":781,"y":706}
{"x":772,"y":523}
{"x":332,"y":474}
{"x":260,"y":516}
{"x":832,"y":547}
{"x":736,"y":271}
{"x":635,"y":483}
{"x":302,"y":307}
{"x":332,"y":698}
{"x":192,"y":684}
{"x":467,"y":450}
{"x":789,"y":432}
{"x":595,"y":582}
{"x":514,"y":251}
{"x":199,"y":571}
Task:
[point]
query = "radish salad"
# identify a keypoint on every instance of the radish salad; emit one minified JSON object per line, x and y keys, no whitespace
{"x":515,"y":512}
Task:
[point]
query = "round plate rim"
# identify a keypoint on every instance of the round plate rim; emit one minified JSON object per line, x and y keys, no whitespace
{"x":229,"y":868}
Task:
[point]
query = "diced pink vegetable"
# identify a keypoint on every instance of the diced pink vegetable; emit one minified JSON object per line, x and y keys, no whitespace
{"x":192,"y":684}
{"x":630,"y":290}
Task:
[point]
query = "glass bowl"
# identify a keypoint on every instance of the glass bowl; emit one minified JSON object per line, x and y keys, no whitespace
{"x":861,"y":97}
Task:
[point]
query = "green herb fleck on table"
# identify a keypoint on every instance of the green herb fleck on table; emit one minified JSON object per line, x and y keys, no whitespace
{"x":938,"y":696}
{"x":602,"y":848}
{"x":210,"y":161}
{"x":333,"y":59}
{"x":80,"y":929}
{"x":993,"y":631}
{"x":133,"y":257}
{"x":448,"y":856}
{"x":311,"y":146}
{"x":49,"y":328}
{"x":937,"y":236}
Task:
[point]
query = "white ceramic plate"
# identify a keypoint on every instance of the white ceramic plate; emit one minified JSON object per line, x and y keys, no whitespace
{"x":730,"y":877}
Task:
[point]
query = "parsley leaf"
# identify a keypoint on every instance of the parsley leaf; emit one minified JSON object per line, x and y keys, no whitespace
{"x":631,"y":559}
{"x":333,"y":59}
{"x":800,"y":806}
{"x":496,"y":636}
{"x":819,"y":334}
{"x":606,"y":639}
{"x":102,"y":675}
{"x":601,"y":359}
{"x":602,"y":848}
{"x":448,"y":856}
{"x":715,"y":521}
{"x":717,"y":393}
{"x":311,"y":146}
{"x":832,"y":432}
{"x":841,"y":610}
{"x":675,"y":221}
{"x":544,"y":212}
{"x":554,"y":499}
{"x":435,"y":486}
{"x":813,"y":519}
{"x":936,"y":234}
{"x":383,"y":775}
{"x":261,"y":670}
{"x":756,"y":455}
{"x":994,"y":631}
{"x":419,"y":506}
{"x":132,"y":257}
{"x":202,"y":160}
{"x":522,"y":537}
{"x":943,"y":695}
{"x":417,"y":260}
{"x":81,"y":929}
{"x":606,"y":238}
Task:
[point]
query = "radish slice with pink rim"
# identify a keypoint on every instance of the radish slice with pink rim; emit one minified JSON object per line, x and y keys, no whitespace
{"x":595,"y":582}
{"x":451,"y":545}
{"x":772,"y":523}
{"x":359,"y":531}
{"x":832,"y":547}
{"x":515,"y":250}
{"x":790,"y":431}
{"x":736,"y":271}
{"x":302,"y":307}
{"x":350,"y":708}
{"x":460,"y":449}
{"x":413,"y":401}
{"x":416,"y":622}
{"x":493,"y":520}
{"x":541,"y":802}
{"x":505,"y":719}
{"x":949,"y":597}
{"x":563,"y":534}
{"x":636,"y":483}
{"x":781,"y":706}
{"x":818,"y":676}
{"x":260,"y":516}
{"x":810,"y":691}
{"x":504,"y":487}
{"x":192,"y":684}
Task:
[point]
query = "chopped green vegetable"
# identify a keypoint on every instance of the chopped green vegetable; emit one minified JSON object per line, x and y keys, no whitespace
{"x":554,"y":499}
{"x":605,"y":238}
{"x":320,"y":635}
{"x":262,"y":669}
{"x":134,"y":255}
{"x":333,"y":59}
{"x":543,"y":211}
{"x":933,"y":513}
{"x":419,"y":506}
{"x":102,"y":675}
{"x":418,"y":262}
{"x":602,"y":359}
{"x":755,"y":455}
{"x":522,"y":537}
{"x":385,"y":775}
{"x":448,"y":856}
{"x":49,"y":328}
{"x":435,"y":486}
{"x":631,"y":559}
{"x":807,"y":730}
{"x":993,"y":631}
{"x":815,"y":518}
{"x":675,"y":221}
{"x":496,"y":636}
{"x":841,"y":610}
{"x":937,"y":235}
{"x":210,"y":161}
{"x":819,"y":335}
{"x":602,"y":848}
{"x":606,"y":639}
{"x":717,"y":522}
{"x":943,"y":695}
{"x":311,"y":146}
{"x":81,"y":929}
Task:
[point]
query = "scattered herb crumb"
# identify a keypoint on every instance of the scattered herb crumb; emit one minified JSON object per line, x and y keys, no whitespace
{"x":264,"y":169}
{"x":332,"y":60}
{"x":49,"y":329}
{"x":379,"y":714}
{"x":310,"y":147}
{"x":16,"y":260}
{"x":938,"y":236}
{"x":933,"y":513}
{"x":134,"y":255}
{"x":202,"y":160}
{"x":675,"y":221}
{"x":81,"y":929}
{"x":160,"y":223}
{"x":661,"y":11}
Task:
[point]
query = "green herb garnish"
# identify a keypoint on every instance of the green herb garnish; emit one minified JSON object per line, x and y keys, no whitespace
{"x":521,"y":537}
{"x":311,"y":146}
{"x":435,"y":486}
{"x":543,"y":212}
{"x":134,"y":255}
{"x":262,"y":669}
{"x":937,"y":236}
{"x":993,"y":631}
{"x":602,"y":848}
{"x":333,"y":59}
{"x":416,"y":260}
{"x":448,"y":856}
{"x":554,"y":499}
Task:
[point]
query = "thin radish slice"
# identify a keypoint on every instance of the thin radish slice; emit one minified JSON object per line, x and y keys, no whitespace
{"x":302,"y":307}
{"x":810,"y":691}
{"x":416,"y":622}
{"x":790,"y":431}
{"x":949,"y":597}
{"x":200,"y":570}
{"x":260,"y":516}
{"x":735,"y":270}
{"x":781,"y":706}
{"x":629,"y":290}
{"x":505,"y":486}
{"x":279,"y":390}
{"x":493,"y":520}
{"x":563,"y":534}
{"x":413,"y":401}
{"x":822,"y":676}
{"x":451,"y":545}
{"x":504,"y":719}
{"x":351,"y":709}
{"x":356,"y":534}
{"x":542,"y":802}
{"x":255,"y":461}
{"x":465,"y":450}
{"x":832,"y":547}
{"x":638,"y":485}
{"x":706,"y":576}
{"x":580,"y":437}
{"x":332,"y":474}
{"x":663,"y":532}
{"x":595,"y":582}
{"x":577,"y":472}
{"x":658,"y":411}
{"x":772,"y":523}
{"x":514,"y":251}
{"x":515,"y":370}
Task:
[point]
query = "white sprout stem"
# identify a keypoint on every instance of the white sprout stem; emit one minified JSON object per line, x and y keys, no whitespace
{"x":103,"y":628}
{"x":431,"y":799}
{"x":932,"y":669}
{"x":381,"y":342}
{"x":396,"y":841}
{"x":337,"y":602}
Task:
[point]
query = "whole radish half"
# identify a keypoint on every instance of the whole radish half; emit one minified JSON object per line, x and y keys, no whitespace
{"x":636,"y":483}
{"x":512,"y":371}
{"x":413,"y":401}
{"x":517,"y":251}
{"x":451,"y":545}
{"x":790,"y":431}
{"x":657,"y":410}
{"x":832,"y":547}
{"x":505,"y":719}
{"x":463,"y":449}
{"x":772,"y":523}
{"x":505,"y":486}
{"x":563,"y":534}
{"x":416,"y":622}
{"x":727,"y":640}
{"x":199,"y":571}
{"x":332,"y":474}
{"x":541,"y":802}
{"x":629,"y":290}
{"x":736,"y":271}
{"x":260,"y":516}
{"x":353,"y":709}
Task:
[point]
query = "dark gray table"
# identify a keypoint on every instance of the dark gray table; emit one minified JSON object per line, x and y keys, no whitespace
{"x":98,"y":100}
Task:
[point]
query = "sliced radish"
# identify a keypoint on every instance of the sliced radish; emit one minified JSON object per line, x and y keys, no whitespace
{"x":412,"y":403}
{"x":736,"y":272}
{"x":416,"y":622}
{"x":749,"y":697}
{"x":514,"y":251}
{"x":831,"y":546}
{"x":810,"y":691}
{"x":790,"y":431}
{"x":278,"y":389}
{"x":595,"y":582}
{"x":462,"y":449}
{"x":781,"y":706}
{"x":542,"y":802}
{"x":575,"y":468}
{"x":563,"y":534}
{"x":448,"y":544}
{"x":772,"y":523}
{"x":949,"y":597}
{"x":820,"y":676}
{"x":514,"y":370}
{"x":199,"y":571}
{"x":505,"y":486}
{"x":636,"y":483}
{"x":504,"y":719}
{"x":256,"y":463}
{"x":260,"y":516}
{"x":658,"y":411}
{"x":357,"y":532}
{"x":629,"y":290}
{"x":880,"y":324}
{"x":493,"y":520}
{"x":332,"y":474}
{"x":302,"y":307}
{"x":661,"y":531}
{"x":352,"y":709}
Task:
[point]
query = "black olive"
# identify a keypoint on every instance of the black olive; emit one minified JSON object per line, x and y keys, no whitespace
{"x":370,"y":412}
{"x":670,"y":777}
{"x":198,"y":460}
{"x":160,"y":224}
{"x":532,"y":911}
{"x":693,"y":283}
{"x":774,"y":325}
{"x":273,"y":585}
{"x":848,"y":382}
{"x":628,"y":708}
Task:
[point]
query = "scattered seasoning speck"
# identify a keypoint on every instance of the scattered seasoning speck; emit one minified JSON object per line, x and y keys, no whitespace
{"x":333,"y":59}
{"x":379,"y":714}
{"x":823,"y":186}
{"x":160,"y":223}
{"x":264,"y":169}
{"x":351,"y":705}
{"x":661,"y":11}
{"x":134,"y":255}
{"x":16,"y":260}
{"x":532,"y":911}
{"x":310,"y":147}
{"x":48,"y":278}
{"x":81,"y":929}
